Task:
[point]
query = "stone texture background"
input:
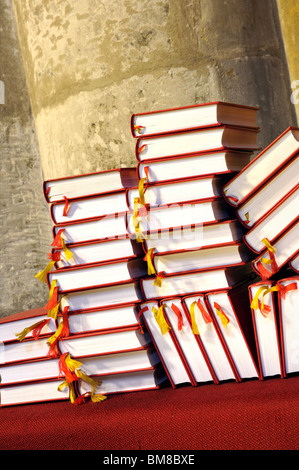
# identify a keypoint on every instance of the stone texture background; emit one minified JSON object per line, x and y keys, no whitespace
{"x":74,"y":72}
{"x":25,"y":233}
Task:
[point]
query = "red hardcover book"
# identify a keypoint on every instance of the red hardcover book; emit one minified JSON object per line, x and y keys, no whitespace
{"x":207,"y":337}
{"x":294,"y":263}
{"x":217,"y":256}
{"x":263,"y":166}
{"x":230,"y":310}
{"x":78,"y":345}
{"x":103,"y":318}
{"x":151,"y":378}
{"x":197,"y":282}
{"x":288,"y":301}
{"x":274,"y":223}
{"x":263,"y":303}
{"x":100,"y":297}
{"x":89,"y":207}
{"x":85,"y":253}
{"x":166,"y":344}
{"x":48,"y":368}
{"x":272,"y":259}
{"x":178,"y":191}
{"x":194,"y":237}
{"x":202,"y":164}
{"x":17,"y":322}
{"x":195,"y":141}
{"x":96,"y":229}
{"x":76,"y":186}
{"x":269,"y":194}
{"x":97,"y":275}
{"x":172,"y":216}
{"x":192,"y":350}
{"x":192,"y":117}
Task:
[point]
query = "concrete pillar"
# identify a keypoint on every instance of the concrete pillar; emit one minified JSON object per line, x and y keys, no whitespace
{"x":25,"y":224}
{"x":289,"y":21}
{"x":91,"y":64}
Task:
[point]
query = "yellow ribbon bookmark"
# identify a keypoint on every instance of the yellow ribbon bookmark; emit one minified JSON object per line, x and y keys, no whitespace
{"x":158,"y":281}
{"x":149,"y":259}
{"x":224,"y":319}
{"x":254,"y":303}
{"x":268,"y":245}
{"x":35,"y":327}
{"x":257,"y":303}
{"x":42,"y":275}
{"x":142,"y":190}
{"x":160,"y":319}
{"x":194,"y":326}
{"x":67,"y":253}
{"x":138,"y":129}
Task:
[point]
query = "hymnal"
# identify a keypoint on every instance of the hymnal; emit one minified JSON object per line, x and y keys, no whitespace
{"x":167,"y":347}
{"x":194,"y":237}
{"x":192,"y":117}
{"x":89,"y":207}
{"x":184,"y":143}
{"x":177,"y":192}
{"x":97,"y":275}
{"x":272,"y":259}
{"x":288,"y":301}
{"x":208,"y":338}
{"x":229,"y":254}
{"x":70,"y":187}
{"x":236,"y":329}
{"x":265,"y":323}
{"x":97,"y":251}
{"x":201,"y":164}
{"x":268,"y":195}
{"x":274,"y":223}
{"x":194,"y":282}
{"x":195,"y":356}
{"x":262,"y":167}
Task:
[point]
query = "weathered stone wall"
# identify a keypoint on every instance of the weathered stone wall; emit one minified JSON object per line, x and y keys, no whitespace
{"x":90,"y":64}
{"x":25,"y":225}
{"x":289,"y":20}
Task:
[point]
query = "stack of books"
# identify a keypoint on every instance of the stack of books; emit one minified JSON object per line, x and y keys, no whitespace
{"x":265,"y":195}
{"x":198,"y":263}
{"x":87,"y":341}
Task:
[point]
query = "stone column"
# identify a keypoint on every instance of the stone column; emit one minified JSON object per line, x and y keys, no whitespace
{"x":25,"y":223}
{"x":289,"y":20}
{"x":91,"y":64}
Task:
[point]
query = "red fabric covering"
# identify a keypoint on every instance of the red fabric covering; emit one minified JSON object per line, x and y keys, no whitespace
{"x":252,"y":415}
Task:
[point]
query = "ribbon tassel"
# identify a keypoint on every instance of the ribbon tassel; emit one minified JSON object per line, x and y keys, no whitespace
{"x":42,"y":275}
{"x":149,"y":259}
{"x":138,"y":129}
{"x":223,"y":317}
{"x":158,"y":281}
{"x":67,"y":206}
{"x":57,"y":240}
{"x":67,"y":253}
{"x":160,"y":319}
{"x":35,"y":329}
{"x":205,"y":314}
{"x":144,"y":309}
{"x":194,"y":326}
{"x":179,"y":315}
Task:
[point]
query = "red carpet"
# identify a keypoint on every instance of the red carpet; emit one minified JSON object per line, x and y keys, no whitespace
{"x":252,"y":415}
